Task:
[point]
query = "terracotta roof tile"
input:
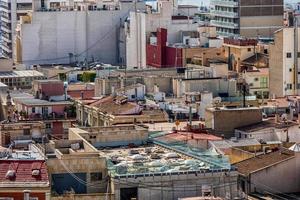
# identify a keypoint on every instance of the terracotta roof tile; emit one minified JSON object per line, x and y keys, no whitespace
{"x":263,"y":161}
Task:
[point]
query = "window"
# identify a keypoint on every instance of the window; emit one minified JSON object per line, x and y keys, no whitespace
{"x":255,"y":79}
{"x":288,"y":55}
{"x":33,"y":110}
{"x":133,"y":96}
{"x":298,"y":54}
{"x":26,"y":132}
{"x":249,"y":49}
{"x":96,"y":176}
{"x":264,"y":82}
{"x":188,"y":60}
{"x":48,"y":125}
{"x":93,"y":136}
{"x":289,"y":86}
{"x":290,"y":69}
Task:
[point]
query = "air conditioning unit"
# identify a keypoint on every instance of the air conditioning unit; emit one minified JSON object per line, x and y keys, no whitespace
{"x":10,"y":174}
{"x":35,"y":172}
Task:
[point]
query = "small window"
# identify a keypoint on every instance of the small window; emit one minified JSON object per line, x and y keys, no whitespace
{"x":298,"y":54}
{"x":48,"y":125}
{"x":133,"y":96}
{"x":289,"y":86}
{"x":288,"y":55}
{"x":26,"y":132}
{"x":33,"y":110}
{"x":249,"y":49}
{"x":290,"y":70}
{"x":96,"y":176}
{"x":255,"y":79}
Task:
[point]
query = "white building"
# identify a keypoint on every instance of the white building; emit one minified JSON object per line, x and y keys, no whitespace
{"x":142,"y":24}
{"x":73,"y":33}
{"x":133,"y":92}
{"x":11,"y":10}
{"x":284,"y":63}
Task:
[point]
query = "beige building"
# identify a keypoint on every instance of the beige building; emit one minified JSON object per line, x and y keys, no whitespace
{"x":284,"y":63}
{"x":248,"y":18}
{"x":258,"y":82}
{"x":17,"y":131}
{"x":80,"y":163}
{"x":110,"y":136}
{"x":225,"y":120}
{"x":115,"y":110}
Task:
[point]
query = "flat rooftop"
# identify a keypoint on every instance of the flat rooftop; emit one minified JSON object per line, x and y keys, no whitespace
{"x":31,"y":101}
{"x":150,"y":160}
{"x":231,"y":109}
{"x":21,"y":73}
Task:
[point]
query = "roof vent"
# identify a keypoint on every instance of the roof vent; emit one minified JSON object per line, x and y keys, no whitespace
{"x":35,"y":172}
{"x":10,"y":174}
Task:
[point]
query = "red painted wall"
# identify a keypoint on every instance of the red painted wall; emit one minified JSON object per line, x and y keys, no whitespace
{"x":58,"y":109}
{"x":57,"y":128}
{"x":162,"y":56}
{"x":52,"y":89}
{"x":20,"y":195}
{"x":87,"y":94}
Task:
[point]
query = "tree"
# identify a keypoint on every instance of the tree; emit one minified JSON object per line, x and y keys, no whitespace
{"x":88,"y":77}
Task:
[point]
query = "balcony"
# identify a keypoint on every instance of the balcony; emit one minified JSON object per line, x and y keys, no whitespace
{"x":24,"y":9}
{"x":6,"y":48}
{"x":5,"y":28}
{"x":48,"y":117}
{"x":226,"y":34}
{"x":225,"y":3}
{"x":6,"y":38}
{"x":229,"y":25}
{"x":226,"y":14}
{"x":5,"y":18}
{"x":4,"y":6}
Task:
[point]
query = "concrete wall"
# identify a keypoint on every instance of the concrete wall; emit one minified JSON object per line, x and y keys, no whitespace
{"x":276,"y":66}
{"x":89,"y":34}
{"x":216,"y":86}
{"x":115,"y":136}
{"x":141,"y":25}
{"x":263,"y":26}
{"x":169,"y":187}
{"x":225,"y":121}
{"x":287,"y":172}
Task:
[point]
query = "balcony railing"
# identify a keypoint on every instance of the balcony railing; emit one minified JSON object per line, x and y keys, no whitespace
{"x":223,"y":24}
{"x":6,"y":38}
{"x":225,"y":3}
{"x":52,"y":116}
{"x":5,"y":28}
{"x":224,"y":14}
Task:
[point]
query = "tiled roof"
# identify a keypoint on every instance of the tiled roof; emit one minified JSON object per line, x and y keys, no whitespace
{"x":263,"y":161}
{"x":23,"y":173}
{"x":107,"y":105}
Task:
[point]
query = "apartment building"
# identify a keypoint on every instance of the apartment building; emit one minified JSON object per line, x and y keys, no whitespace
{"x":247,"y":18}
{"x":64,"y":32}
{"x":284,"y":63}
{"x":142,"y":25}
{"x":11,"y":11}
